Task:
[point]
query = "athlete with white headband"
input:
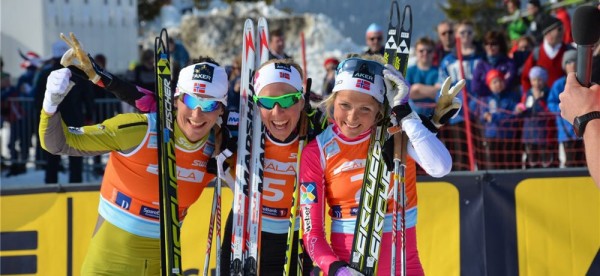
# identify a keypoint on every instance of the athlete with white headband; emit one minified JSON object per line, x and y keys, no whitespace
{"x":281,"y":100}
{"x":332,"y":165}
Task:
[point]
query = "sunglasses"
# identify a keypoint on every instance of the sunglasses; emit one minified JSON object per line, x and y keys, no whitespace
{"x":193,"y":102}
{"x":284,"y":101}
{"x":358,"y":65}
{"x":447,"y":32}
{"x":378,"y":38}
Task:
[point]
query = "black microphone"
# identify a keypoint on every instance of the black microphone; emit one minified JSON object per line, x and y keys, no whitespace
{"x":586,"y":31}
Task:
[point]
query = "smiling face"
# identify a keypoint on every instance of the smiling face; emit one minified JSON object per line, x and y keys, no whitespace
{"x":280,"y":122}
{"x":194,"y":123}
{"x":354,"y":112}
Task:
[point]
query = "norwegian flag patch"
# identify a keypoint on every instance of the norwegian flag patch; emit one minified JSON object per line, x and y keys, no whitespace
{"x":363,"y":84}
{"x":199,"y":88}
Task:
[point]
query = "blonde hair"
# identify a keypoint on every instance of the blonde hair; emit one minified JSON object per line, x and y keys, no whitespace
{"x":328,"y":103}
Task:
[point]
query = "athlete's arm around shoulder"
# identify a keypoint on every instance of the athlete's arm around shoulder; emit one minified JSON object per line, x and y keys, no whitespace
{"x":123,"y":133}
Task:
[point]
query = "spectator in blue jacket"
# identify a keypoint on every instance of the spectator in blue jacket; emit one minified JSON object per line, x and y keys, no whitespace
{"x":573,"y":146}
{"x":496,"y":50}
{"x":496,"y":115}
{"x":454,"y":133}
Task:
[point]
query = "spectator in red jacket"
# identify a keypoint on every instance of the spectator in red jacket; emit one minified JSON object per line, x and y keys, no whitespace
{"x":548,"y":55}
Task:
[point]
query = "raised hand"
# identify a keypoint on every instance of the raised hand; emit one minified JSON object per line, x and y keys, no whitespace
{"x":448,"y":105}
{"x":57,"y":87}
{"x":77,"y":57}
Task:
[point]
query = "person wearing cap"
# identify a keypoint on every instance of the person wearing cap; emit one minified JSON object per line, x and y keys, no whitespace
{"x":537,"y":122}
{"x":280,"y":98}
{"x":330,"y":65}
{"x":332,"y":165}
{"x":495,"y":114}
{"x":126,"y":240}
{"x":374,"y":39}
{"x":572,"y":145}
{"x":548,"y":55}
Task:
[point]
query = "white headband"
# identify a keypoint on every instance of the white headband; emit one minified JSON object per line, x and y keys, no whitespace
{"x":276,"y":73}
{"x":204,"y":78}
{"x":360,"y":82}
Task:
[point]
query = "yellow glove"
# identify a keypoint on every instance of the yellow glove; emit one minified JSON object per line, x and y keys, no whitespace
{"x":77,"y":57}
{"x":448,"y":105}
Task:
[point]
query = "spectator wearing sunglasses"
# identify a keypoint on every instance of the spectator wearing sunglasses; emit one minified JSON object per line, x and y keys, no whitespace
{"x":445,"y":43}
{"x":332,"y":165}
{"x":374,"y":39}
{"x":126,"y":240}
{"x":496,"y":50}
{"x":454,"y":135}
{"x":423,"y":77}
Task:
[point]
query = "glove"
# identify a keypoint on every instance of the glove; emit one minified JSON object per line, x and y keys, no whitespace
{"x":397,"y":87}
{"x":347,"y":271}
{"x":448,"y":105}
{"x":78,"y":58}
{"x":397,"y":94}
{"x":57,"y":87}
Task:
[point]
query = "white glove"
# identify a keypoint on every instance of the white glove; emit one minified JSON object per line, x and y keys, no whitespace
{"x":448,"y":105}
{"x":398,"y":91}
{"x":57,"y":87}
{"x":397,"y":87}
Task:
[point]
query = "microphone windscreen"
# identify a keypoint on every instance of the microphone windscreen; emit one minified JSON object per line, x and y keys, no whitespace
{"x":586,"y":25}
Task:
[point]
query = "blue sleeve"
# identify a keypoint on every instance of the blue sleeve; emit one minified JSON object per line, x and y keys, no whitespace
{"x":553,"y":100}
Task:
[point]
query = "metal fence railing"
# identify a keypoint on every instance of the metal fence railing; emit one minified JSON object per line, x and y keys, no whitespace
{"x":20,"y":127}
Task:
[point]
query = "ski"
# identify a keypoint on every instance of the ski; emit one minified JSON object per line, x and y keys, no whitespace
{"x":167,"y":168}
{"x":393,"y":37}
{"x":373,"y":203}
{"x":373,"y":195}
{"x":400,"y":142}
{"x":242,"y":171}
{"x":257,"y":157}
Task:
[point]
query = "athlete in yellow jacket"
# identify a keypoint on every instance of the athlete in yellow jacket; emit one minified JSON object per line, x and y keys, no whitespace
{"x":126,"y":238}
